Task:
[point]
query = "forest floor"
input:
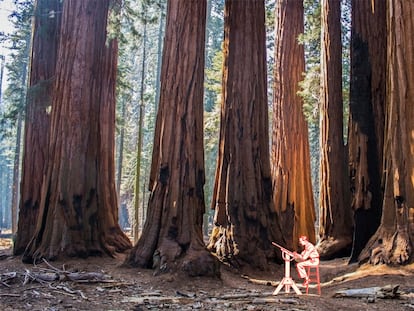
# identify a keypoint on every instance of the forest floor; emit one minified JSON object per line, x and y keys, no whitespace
{"x":103,"y":284}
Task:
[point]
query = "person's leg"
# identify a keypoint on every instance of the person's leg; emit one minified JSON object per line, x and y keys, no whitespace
{"x":301,"y":267}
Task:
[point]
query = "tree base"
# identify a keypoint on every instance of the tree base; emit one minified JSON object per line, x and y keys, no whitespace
{"x":390,"y":248}
{"x":200,"y":263}
{"x":330,"y":248}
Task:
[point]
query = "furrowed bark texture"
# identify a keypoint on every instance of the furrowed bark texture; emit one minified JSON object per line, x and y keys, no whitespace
{"x":292,"y":186}
{"x":393,"y":241}
{"x":245,"y":224}
{"x":37,"y":119}
{"x":366,"y":118}
{"x":78,"y":211}
{"x":335,"y":225}
{"x":172,"y":238}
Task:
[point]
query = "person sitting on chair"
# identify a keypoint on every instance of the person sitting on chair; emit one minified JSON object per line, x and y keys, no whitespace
{"x":308,"y":257}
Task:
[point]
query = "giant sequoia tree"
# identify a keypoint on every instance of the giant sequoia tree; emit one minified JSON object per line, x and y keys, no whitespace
{"x":335,"y":226}
{"x":172,"y":238}
{"x":78,"y":209}
{"x":244,"y":223}
{"x":393,"y":241}
{"x":366,"y":117}
{"x":293,"y":197}
{"x":37,"y":118}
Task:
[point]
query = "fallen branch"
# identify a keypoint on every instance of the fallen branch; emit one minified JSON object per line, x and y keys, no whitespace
{"x":72,"y":292}
{"x":86,"y":277}
{"x":6,"y":277}
{"x":9,"y":295}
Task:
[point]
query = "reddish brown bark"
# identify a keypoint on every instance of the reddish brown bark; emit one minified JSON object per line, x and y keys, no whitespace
{"x":335,"y":226}
{"x":37,"y":118}
{"x":245,"y":224}
{"x":292,"y":186}
{"x":172,"y":238}
{"x":393,"y":241}
{"x":366,"y":117}
{"x":78,"y":208}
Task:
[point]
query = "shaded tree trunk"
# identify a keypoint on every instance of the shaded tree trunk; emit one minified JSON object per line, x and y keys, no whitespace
{"x":244,"y":222}
{"x":112,"y":238}
{"x":291,"y":173}
{"x":393,"y":241}
{"x":16,"y":167}
{"x":335,"y":231}
{"x":172,"y":238}
{"x":78,"y":207}
{"x":37,"y":118}
{"x":366,"y":121}
{"x":19,"y":128}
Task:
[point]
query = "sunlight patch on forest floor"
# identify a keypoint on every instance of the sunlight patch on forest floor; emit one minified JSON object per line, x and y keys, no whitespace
{"x":370,"y":270}
{"x":5,"y":243}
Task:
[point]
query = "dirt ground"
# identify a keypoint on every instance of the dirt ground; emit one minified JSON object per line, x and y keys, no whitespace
{"x":119,"y":288}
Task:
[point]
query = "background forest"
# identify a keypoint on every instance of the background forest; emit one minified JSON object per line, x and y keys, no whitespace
{"x":343,"y":178}
{"x":143,"y":26}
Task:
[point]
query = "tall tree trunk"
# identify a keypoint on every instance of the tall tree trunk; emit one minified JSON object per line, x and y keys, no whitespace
{"x":2,"y":63}
{"x":393,"y":241}
{"x":37,"y":118}
{"x":366,"y":121}
{"x":244,"y":222}
{"x":19,"y":127}
{"x":291,"y":173}
{"x":159,"y":52}
{"x":335,"y":229}
{"x":172,"y":238}
{"x":112,"y":237}
{"x":140,"y":134}
{"x":78,"y":207}
{"x":16,"y":167}
{"x":123,"y":211}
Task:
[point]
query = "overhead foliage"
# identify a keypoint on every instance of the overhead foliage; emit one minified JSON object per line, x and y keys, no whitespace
{"x":19,"y":47}
{"x":311,"y":39}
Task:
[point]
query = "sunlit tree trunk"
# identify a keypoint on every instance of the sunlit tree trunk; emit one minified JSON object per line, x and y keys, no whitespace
{"x":291,"y":173}
{"x":366,"y":118}
{"x":335,"y":231}
{"x":172,"y":238}
{"x":78,"y":213}
{"x":37,"y":118}
{"x":245,"y":224}
{"x":393,"y":241}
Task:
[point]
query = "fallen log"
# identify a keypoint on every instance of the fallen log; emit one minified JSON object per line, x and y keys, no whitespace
{"x":385,"y":292}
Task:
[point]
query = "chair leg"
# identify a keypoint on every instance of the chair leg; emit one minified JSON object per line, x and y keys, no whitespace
{"x":314,"y":278}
